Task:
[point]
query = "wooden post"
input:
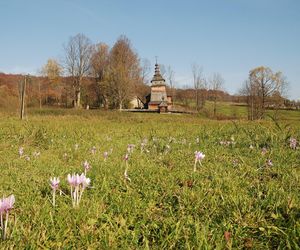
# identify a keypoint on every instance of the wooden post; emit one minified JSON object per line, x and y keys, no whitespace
{"x":23,"y":98}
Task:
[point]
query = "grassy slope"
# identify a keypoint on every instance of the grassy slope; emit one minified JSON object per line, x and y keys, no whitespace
{"x":228,"y":110}
{"x":165,"y":205}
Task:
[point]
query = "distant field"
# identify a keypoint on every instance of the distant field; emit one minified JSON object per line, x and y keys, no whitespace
{"x":230,"y":110}
{"x":235,"y":192}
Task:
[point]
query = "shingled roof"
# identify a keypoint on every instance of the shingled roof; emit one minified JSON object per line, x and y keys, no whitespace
{"x":157,"y":78}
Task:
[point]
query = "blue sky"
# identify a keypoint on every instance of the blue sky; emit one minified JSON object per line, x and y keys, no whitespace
{"x":230,"y":37}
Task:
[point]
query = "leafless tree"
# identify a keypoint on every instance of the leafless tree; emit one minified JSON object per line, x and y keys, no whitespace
{"x":171,"y":80}
{"x":262,"y":84}
{"x":216,"y":83}
{"x":100,"y":71}
{"x":77,"y":62}
{"x":145,"y":70}
{"x":199,"y":83}
{"x":163,"y":70}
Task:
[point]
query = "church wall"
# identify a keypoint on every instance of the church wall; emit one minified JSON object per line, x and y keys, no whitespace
{"x":153,"y":106}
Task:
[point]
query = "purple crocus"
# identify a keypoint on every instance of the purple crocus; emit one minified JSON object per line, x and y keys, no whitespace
{"x":126,"y":157}
{"x":199,"y":156}
{"x":105,"y":155}
{"x":269,"y":163}
{"x":264,"y":151}
{"x":54,"y":183}
{"x":21,"y":151}
{"x":130,"y":148}
{"x":126,"y":176}
{"x":36,"y":154}
{"x":293,"y":143}
{"x":6,"y":204}
{"x":78,"y":183}
{"x":86,"y":166}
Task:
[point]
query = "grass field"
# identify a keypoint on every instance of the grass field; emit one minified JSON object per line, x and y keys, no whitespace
{"x":230,"y":110}
{"x":235,"y":199}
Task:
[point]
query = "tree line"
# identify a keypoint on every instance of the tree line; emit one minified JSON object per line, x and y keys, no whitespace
{"x":95,"y":75}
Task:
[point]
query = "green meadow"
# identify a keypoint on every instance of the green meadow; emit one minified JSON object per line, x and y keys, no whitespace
{"x":244,"y":194}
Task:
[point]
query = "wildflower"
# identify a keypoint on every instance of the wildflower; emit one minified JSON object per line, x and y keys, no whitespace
{"x":93,"y":150}
{"x":167,"y":148}
{"x":130,"y":148}
{"x":264,"y":151}
{"x":126,"y":176}
{"x":126,"y":157}
{"x":225,"y":143}
{"x":76,"y":146}
{"x":54,"y":183}
{"x":143,"y":145}
{"x":78,"y":183}
{"x":293,"y":143}
{"x":235,"y":162}
{"x":6,"y":204}
{"x":65,"y":156}
{"x":36,"y":154}
{"x":251,"y":146}
{"x":71,"y":180}
{"x":105,"y":155}
{"x":21,"y":151}
{"x":197,"y":140}
{"x":269,"y":163}
{"x":199,"y":156}
{"x":126,"y":167}
{"x":86,"y":166}
{"x":85,"y":182}
{"x":27,"y":158}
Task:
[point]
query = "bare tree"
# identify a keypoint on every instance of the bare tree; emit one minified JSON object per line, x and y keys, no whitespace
{"x":170,"y":76}
{"x":216,"y":84}
{"x":100,"y":71}
{"x":77,"y":62}
{"x":145,"y":70}
{"x":199,"y":82}
{"x":262,"y":84}
{"x":163,"y":70}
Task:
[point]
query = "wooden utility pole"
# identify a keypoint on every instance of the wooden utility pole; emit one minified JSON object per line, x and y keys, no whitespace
{"x":23,"y":98}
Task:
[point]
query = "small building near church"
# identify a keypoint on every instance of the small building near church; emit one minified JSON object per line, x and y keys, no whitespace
{"x":158,"y":98}
{"x":136,"y":103}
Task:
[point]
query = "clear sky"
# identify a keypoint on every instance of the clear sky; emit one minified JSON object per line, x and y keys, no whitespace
{"x":230,"y":37}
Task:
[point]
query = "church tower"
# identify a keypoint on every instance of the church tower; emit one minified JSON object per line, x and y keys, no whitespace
{"x":158,"y":98}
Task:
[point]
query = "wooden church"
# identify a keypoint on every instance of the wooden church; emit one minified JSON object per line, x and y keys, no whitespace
{"x":158,"y":99}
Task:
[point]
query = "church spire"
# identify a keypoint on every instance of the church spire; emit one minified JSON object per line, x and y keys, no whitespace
{"x":157,"y":78}
{"x":157,"y":70}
